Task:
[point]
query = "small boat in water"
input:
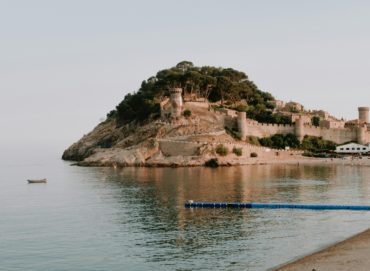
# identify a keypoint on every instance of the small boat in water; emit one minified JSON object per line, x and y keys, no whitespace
{"x":37,"y":181}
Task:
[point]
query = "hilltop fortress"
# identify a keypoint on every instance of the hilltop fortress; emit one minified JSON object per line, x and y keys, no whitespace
{"x":329,"y":127}
{"x":189,"y":133}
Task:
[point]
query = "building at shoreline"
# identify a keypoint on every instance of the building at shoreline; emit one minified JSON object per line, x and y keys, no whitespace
{"x":352,"y":148}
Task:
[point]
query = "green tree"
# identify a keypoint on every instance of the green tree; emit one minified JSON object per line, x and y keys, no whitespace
{"x":270,"y":106}
{"x":185,"y":65}
{"x":208,"y":82}
{"x":315,"y":121}
{"x":192,"y":80}
{"x":223,"y":85}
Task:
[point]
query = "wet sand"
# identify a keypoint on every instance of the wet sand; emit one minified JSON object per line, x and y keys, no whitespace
{"x":350,"y":254}
{"x":301,"y":160}
{"x":324,"y":162}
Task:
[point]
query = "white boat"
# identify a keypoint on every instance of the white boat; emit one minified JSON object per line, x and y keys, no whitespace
{"x":37,"y":181}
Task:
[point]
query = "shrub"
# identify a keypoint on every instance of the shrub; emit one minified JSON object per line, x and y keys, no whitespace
{"x":222,"y":150}
{"x":270,"y":106}
{"x":308,"y":154}
{"x":238,"y":151}
{"x":266,"y":142}
{"x":253,"y":140}
{"x":213,"y":152}
{"x":253,"y":154}
{"x":238,"y":135}
{"x":315,"y":143}
{"x":156,"y":116}
{"x":187,"y":113}
{"x":242,"y":108}
{"x":211,"y":163}
{"x":152,"y":142}
{"x":320,"y":155}
{"x":233,"y":133}
{"x":111,"y":113}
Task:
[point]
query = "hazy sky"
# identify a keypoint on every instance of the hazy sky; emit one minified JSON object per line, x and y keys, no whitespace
{"x":65,"y":64}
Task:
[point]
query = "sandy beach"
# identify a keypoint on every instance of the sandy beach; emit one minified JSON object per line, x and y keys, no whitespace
{"x":301,"y":160}
{"x":350,"y":254}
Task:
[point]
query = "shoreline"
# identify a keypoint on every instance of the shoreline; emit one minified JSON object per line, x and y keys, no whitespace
{"x":225,"y":162}
{"x":349,"y":254}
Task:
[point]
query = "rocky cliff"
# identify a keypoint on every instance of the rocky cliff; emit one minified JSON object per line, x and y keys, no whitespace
{"x":134,"y":144}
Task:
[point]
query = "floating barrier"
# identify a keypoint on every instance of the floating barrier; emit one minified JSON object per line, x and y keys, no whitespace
{"x":275,"y":206}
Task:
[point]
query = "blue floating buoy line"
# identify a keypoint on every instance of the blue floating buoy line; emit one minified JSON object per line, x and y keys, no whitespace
{"x":276,"y":206}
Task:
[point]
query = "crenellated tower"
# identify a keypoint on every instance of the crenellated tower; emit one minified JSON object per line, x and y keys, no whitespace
{"x":242,"y":124}
{"x":363,"y":114}
{"x":299,"y":128}
{"x":361,"y":135}
{"x":176,"y":102}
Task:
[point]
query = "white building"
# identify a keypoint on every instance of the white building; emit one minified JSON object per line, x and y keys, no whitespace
{"x":352,"y":147}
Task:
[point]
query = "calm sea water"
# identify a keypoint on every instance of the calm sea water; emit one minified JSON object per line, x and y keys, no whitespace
{"x":134,"y":218}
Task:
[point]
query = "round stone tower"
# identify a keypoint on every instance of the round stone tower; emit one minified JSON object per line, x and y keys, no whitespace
{"x":363,"y":114}
{"x":299,"y":129}
{"x":176,"y":102}
{"x":361,"y":136}
{"x":242,"y":124}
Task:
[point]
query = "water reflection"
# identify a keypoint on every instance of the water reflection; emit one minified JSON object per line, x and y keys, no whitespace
{"x":166,"y":232}
{"x":135,"y":219}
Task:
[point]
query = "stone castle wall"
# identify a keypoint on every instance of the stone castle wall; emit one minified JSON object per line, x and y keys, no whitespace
{"x":268,"y":130}
{"x":338,"y":135}
{"x":175,"y":148}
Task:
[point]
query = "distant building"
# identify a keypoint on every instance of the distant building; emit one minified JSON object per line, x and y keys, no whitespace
{"x":278,"y":104}
{"x":319,"y":113}
{"x":228,"y":112}
{"x":352,"y":147}
{"x":294,"y":116}
{"x":292,"y":106}
{"x":331,"y":124}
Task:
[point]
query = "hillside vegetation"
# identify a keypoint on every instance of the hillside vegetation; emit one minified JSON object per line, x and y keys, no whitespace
{"x":212,"y":83}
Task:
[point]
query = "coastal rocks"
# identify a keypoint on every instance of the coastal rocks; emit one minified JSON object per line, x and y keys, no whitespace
{"x":217,"y":162}
{"x":108,"y":135}
{"x":159,"y":160}
{"x":85,"y":146}
{"x":132,"y":156}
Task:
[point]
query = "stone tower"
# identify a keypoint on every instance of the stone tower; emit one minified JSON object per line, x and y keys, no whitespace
{"x":176,"y":102}
{"x":299,"y":129}
{"x":361,"y":136}
{"x":242,"y":124}
{"x":363,"y":114}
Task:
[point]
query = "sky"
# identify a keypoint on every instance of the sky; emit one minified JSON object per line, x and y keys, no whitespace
{"x":65,"y":64}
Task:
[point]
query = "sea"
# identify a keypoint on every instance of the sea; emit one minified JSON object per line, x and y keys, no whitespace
{"x":134,"y":218}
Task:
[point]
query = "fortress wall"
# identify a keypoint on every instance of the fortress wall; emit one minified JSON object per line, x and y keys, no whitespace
{"x":262,"y":151}
{"x":230,"y":122}
{"x":337,"y":135}
{"x":268,"y":130}
{"x":174,"y":148}
{"x":198,"y":104}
